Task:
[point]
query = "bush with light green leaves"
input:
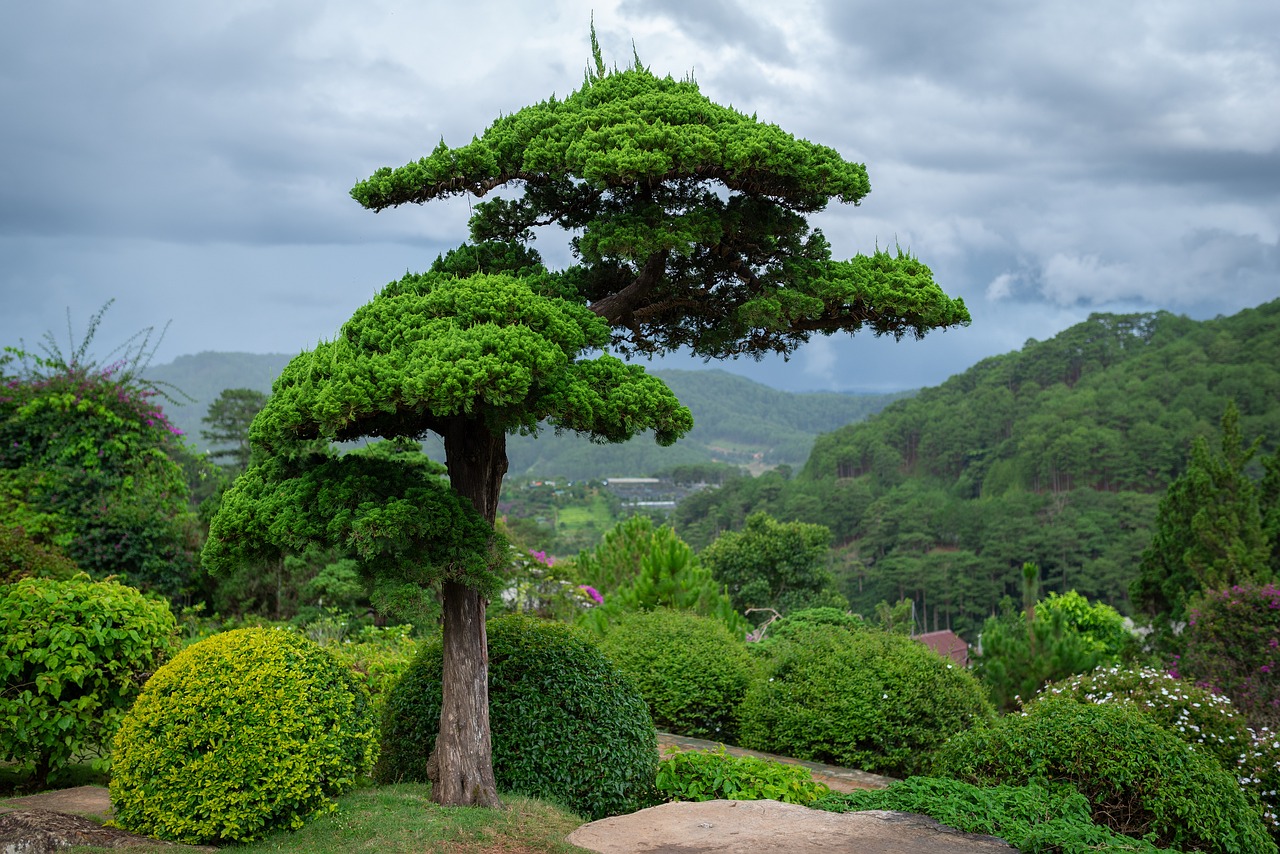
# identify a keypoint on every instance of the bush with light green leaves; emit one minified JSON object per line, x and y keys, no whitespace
{"x":247,"y":732}
{"x":73,"y":656}
{"x":708,"y":775}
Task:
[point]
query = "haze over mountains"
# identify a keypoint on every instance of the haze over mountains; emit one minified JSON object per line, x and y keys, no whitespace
{"x":737,"y":420}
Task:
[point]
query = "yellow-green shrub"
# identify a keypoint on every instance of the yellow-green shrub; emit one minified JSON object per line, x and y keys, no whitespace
{"x":73,"y":655}
{"x":243,"y":733}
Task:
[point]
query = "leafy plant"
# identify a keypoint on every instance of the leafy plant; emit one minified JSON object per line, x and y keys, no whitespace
{"x":708,"y":775}
{"x":690,"y":670}
{"x":860,"y":698}
{"x":1139,"y":779}
{"x":1035,"y":818}
{"x":1232,"y":645}
{"x":567,"y":725}
{"x":73,"y":655}
{"x":242,"y":733}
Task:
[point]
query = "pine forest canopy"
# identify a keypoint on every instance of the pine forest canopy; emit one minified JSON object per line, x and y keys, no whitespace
{"x":689,"y":230}
{"x":1058,"y":454}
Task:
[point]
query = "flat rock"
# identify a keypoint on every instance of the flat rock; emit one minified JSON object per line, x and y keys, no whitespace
{"x":763,"y":827}
{"x":39,"y":831}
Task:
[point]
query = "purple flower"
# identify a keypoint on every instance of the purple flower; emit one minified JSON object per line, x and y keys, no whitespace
{"x":592,"y":593}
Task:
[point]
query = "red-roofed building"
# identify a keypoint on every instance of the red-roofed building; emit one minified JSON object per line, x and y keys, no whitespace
{"x":947,"y":643}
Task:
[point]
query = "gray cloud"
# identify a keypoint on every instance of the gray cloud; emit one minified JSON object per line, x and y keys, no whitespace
{"x":1046,"y":160}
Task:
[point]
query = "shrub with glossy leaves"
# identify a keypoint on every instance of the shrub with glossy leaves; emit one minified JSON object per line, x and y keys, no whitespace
{"x":246,"y":732}
{"x":860,"y":698}
{"x":566,"y":724}
{"x":73,"y":656}
{"x":1138,"y":778}
{"x":690,"y":669}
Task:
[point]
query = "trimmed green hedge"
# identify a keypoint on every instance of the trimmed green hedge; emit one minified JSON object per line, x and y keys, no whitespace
{"x":243,"y":733}
{"x":690,"y":669}
{"x":566,"y":725}
{"x":861,"y":698}
{"x":1138,"y":779}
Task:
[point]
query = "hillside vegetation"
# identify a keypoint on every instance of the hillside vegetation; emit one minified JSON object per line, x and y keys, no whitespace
{"x":1057,"y":453}
{"x":736,"y":420}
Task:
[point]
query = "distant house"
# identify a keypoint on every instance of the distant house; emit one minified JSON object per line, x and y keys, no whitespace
{"x":947,"y":643}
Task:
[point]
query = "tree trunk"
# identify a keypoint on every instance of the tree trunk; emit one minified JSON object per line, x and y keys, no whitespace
{"x":461,"y":766}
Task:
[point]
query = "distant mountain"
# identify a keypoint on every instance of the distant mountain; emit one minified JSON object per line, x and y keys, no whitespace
{"x":736,"y":420}
{"x":194,"y":382}
{"x":1055,"y":454}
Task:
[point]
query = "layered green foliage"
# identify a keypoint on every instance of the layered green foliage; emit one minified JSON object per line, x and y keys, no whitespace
{"x":1033,"y":818}
{"x":772,"y":564}
{"x":858,"y":698}
{"x":73,"y":656}
{"x":1232,"y":645}
{"x":90,"y":465}
{"x":241,"y":734}
{"x":702,"y":206}
{"x":708,"y":775}
{"x":640,"y":567}
{"x":407,"y":528}
{"x":1138,"y":778}
{"x":567,"y":725}
{"x":432,"y":347}
{"x":1056,"y":453}
{"x":691,"y":670}
{"x":1209,"y":529}
{"x":23,"y":557}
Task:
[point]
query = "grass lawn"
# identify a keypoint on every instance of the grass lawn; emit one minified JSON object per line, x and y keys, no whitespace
{"x":401,"y":818}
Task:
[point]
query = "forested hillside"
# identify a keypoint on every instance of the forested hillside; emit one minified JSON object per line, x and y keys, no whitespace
{"x":737,"y":420}
{"x":1057,"y":454}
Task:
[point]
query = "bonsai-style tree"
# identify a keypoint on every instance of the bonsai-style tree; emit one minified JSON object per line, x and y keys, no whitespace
{"x":689,"y":232}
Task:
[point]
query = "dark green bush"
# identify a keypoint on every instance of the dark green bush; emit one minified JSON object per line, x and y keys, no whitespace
{"x":23,"y":557}
{"x":708,"y":775}
{"x":1139,"y":779}
{"x":861,"y":698}
{"x":1033,"y":818}
{"x":246,"y":732}
{"x":566,"y":724}
{"x":1194,"y":714}
{"x":73,"y":656}
{"x":690,"y":669}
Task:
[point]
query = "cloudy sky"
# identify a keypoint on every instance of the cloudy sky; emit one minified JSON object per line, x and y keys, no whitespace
{"x":1048,"y":160}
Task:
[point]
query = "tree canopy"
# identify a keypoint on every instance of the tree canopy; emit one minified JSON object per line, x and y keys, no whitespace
{"x":689,"y":219}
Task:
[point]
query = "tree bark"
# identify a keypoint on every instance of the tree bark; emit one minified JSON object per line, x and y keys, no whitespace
{"x":461,"y":765}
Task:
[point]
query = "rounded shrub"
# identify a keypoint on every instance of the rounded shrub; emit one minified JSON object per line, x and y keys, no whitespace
{"x":690,"y":669}
{"x":1195,"y":715}
{"x":73,"y":656}
{"x":861,"y":698}
{"x":241,"y":734}
{"x":1139,"y":779}
{"x":785,"y":627}
{"x":566,"y":724}
{"x":1232,"y":645}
